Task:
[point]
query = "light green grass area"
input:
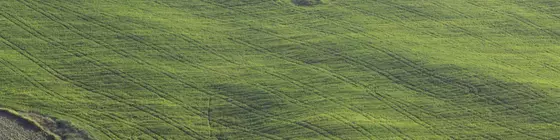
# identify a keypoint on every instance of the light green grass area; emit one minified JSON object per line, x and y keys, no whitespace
{"x":269,"y":69}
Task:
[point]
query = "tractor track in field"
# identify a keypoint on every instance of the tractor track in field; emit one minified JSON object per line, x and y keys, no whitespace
{"x":428,"y":70}
{"x":538,"y":10}
{"x":551,"y":67}
{"x":282,"y":95}
{"x":235,"y":63}
{"x":339,"y":118}
{"x":505,"y":87}
{"x":153,"y":89}
{"x":293,"y":81}
{"x":434,"y":95}
{"x":62,"y":77}
{"x":144,"y":130}
{"x":318,"y":93}
{"x":102,"y":129}
{"x":354,"y":84}
{"x":102,"y":65}
{"x":427,"y":16}
{"x":470,"y":87}
{"x":365,"y":12}
{"x":33,"y":82}
{"x":34,"y":60}
{"x":40,"y":86}
{"x":42,"y":66}
{"x":252,"y":109}
{"x":85,"y":120}
{"x":249,"y":109}
{"x":342,"y":78}
{"x":494,"y":100}
{"x":307,"y":126}
{"x":395,"y":103}
{"x":522,"y":20}
{"x":524,"y":95}
{"x":106,"y":132}
{"x":43,"y":88}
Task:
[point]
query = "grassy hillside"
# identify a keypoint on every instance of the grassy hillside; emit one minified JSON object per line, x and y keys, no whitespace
{"x":270,"y":69}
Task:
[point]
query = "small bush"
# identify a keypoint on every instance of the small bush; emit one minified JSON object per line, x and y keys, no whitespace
{"x":306,"y":2}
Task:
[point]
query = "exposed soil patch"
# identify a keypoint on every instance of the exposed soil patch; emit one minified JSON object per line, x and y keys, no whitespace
{"x":14,"y":127}
{"x":32,"y":126}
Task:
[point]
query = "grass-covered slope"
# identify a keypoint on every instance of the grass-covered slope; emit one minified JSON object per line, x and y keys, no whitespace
{"x":269,"y":69}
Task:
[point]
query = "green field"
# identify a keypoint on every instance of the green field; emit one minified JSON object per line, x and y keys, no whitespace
{"x":270,"y":69}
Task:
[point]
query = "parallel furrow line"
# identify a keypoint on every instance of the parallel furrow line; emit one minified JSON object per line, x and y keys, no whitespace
{"x":78,"y":83}
{"x":202,"y":67}
{"x":254,"y":45}
{"x":22,"y":52}
{"x":470,"y":87}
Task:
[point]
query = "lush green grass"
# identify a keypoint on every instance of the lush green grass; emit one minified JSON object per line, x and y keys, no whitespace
{"x":268,"y":69}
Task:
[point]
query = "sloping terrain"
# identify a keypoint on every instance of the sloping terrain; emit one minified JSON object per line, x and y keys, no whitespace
{"x":14,"y":127}
{"x":272,"y":69}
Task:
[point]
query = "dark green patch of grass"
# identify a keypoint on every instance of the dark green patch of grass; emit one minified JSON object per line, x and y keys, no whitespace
{"x":307,"y":2}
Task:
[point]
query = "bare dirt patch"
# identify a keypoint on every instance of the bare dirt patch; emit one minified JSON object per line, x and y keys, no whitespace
{"x":14,"y":127}
{"x":33,"y":126}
